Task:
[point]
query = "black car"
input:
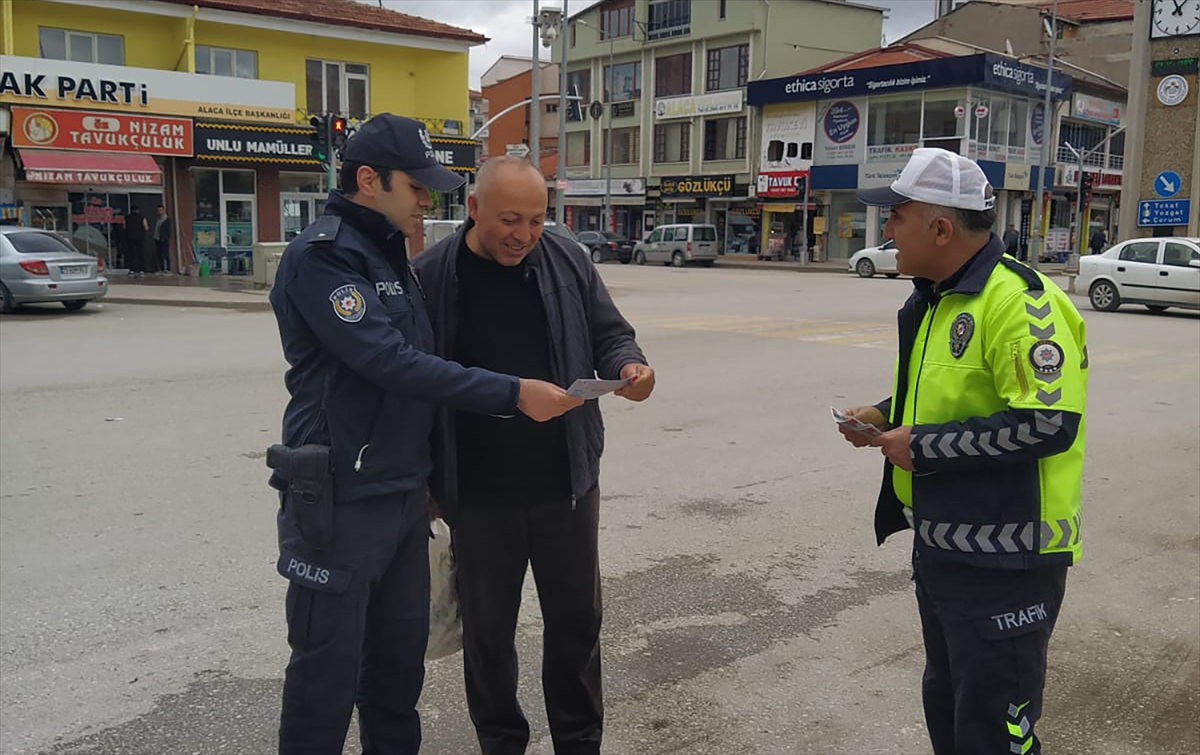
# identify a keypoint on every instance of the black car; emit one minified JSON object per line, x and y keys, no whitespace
{"x":606,"y":245}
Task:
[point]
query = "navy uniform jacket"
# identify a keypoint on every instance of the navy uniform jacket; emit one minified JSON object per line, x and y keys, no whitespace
{"x":588,"y":337}
{"x":357,"y":335}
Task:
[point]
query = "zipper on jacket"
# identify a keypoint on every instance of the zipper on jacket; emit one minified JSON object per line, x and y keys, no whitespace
{"x":921,"y":366}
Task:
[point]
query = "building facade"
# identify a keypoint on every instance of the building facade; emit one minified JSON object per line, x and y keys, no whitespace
{"x":509,"y":83}
{"x":203,"y":106}
{"x":664,"y":132}
{"x":860,"y":121}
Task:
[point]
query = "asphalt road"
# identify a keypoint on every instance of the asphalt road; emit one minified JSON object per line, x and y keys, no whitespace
{"x":747,"y":607}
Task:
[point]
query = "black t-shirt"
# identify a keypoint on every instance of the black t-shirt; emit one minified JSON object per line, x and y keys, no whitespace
{"x":502,"y":327}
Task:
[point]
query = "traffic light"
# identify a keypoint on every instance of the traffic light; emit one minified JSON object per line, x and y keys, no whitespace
{"x":337,"y":131}
{"x":320,"y":138}
{"x":1086,"y":184}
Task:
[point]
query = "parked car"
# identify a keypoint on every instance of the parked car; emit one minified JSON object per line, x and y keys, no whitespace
{"x":875,"y":259}
{"x":436,"y":230}
{"x":606,"y":245}
{"x":566,"y":233}
{"x":39,"y":266}
{"x":1155,"y":272}
{"x":678,"y":245}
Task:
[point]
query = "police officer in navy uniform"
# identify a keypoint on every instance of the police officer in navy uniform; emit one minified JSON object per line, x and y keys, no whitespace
{"x":364,"y":385}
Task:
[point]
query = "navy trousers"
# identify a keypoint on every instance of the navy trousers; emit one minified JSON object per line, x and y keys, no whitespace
{"x":358,"y":622}
{"x":986,"y":632}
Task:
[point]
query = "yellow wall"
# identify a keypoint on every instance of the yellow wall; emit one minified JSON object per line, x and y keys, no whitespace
{"x":403,"y":80}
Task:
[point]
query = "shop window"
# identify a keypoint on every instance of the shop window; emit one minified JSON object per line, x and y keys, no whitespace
{"x":333,"y":87}
{"x":1018,"y":117}
{"x":728,"y":67}
{"x":303,"y":183}
{"x":998,"y":112}
{"x":81,"y":47}
{"x":622,"y":82}
{"x":672,"y":142}
{"x":219,"y":61}
{"x":624,"y":146}
{"x":725,"y":139}
{"x":616,"y":20}
{"x":673,"y":75}
{"x":942,"y":128}
{"x":237,"y":181}
{"x":579,"y":148}
{"x":894,"y":120}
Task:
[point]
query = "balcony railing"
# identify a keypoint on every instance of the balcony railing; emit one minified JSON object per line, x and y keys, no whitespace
{"x":1094,"y":160}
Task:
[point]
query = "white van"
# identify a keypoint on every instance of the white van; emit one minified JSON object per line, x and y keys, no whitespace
{"x":678,"y":245}
{"x":436,"y":230}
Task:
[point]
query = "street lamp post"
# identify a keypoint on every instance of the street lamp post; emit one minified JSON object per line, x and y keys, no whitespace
{"x":561,"y":174}
{"x":1081,"y":155}
{"x":536,"y":77}
{"x":608,"y":84}
{"x":1047,"y":128}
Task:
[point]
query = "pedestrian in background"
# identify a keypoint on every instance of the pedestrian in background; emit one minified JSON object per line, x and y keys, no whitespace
{"x":505,"y":296}
{"x":1098,"y":241}
{"x":1012,"y":242}
{"x":985,"y":461}
{"x":354,"y":516}
{"x":162,"y":239}
{"x":135,"y":242}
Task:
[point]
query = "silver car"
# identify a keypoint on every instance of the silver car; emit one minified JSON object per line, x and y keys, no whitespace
{"x":678,"y":244}
{"x":39,"y":266}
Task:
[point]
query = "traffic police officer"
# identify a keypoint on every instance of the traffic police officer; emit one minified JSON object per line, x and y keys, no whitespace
{"x":984,"y":437}
{"x":353,"y":524}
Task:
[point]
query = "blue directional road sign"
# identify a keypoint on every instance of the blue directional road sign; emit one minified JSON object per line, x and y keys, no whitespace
{"x":1153,"y":212}
{"x":1167,"y":184}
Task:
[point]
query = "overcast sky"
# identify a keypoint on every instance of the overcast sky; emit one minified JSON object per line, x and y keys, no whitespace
{"x":504,"y":22}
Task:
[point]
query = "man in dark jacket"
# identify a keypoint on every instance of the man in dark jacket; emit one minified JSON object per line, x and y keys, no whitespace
{"x":135,"y":242}
{"x":354,"y":520}
{"x":162,"y":239}
{"x":1012,"y":242}
{"x":505,"y":296}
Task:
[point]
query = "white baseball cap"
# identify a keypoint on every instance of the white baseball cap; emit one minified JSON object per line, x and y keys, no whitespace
{"x":935,"y":176}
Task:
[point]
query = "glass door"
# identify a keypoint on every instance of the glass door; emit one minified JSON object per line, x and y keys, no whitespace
{"x":237,"y":220}
{"x":296,"y":213}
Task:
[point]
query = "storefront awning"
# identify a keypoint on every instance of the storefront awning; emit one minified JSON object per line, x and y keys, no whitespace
{"x":95,"y":169}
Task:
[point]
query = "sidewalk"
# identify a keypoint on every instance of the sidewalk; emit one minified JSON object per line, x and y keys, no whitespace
{"x":171,"y":290}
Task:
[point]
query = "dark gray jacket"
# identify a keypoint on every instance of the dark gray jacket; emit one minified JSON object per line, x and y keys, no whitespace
{"x":588,"y":337}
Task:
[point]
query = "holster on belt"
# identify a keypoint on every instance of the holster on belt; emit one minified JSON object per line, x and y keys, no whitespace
{"x":305,"y":475}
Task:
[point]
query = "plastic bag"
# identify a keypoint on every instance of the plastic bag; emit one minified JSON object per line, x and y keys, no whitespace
{"x":445,"y":620}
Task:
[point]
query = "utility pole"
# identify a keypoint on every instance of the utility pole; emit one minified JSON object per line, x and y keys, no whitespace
{"x":535,"y":114}
{"x":561,"y":174}
{"x":1047,"y":130}
{"x":610,"y":217}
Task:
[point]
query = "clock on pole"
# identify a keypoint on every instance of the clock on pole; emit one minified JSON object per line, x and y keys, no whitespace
{"x":1174,"y":18}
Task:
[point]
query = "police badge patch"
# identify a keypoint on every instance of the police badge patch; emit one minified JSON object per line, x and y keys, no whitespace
{"x":348,"y":303}
{"x":1046,"y":357}
{"x":961,"y":331}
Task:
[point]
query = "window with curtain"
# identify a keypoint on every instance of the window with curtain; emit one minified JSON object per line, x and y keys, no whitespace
{"x":673,"y":75}
{"x":672,"y":142}
{"x":725,"y":139}
{"x":728,"y":67}
{"x":623,"y":82}
{"x":624,"y":146}
{"x":81,"y":47}
{"x":219,"y":61}
{"x":579,"y":148}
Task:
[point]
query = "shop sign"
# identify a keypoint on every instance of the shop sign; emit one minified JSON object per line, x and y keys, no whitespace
{"x":39,"y":82}
{"x":445,"y":126}
{"x":987,"y":69}
{"x":622,"y":109}
{"x":279,"y":145}
{"x":92,"y":177}
{"x":455,"y":154}
{"x":1096,"y":109}
{"x":890,"y":152}
{"x":89,"y":131}
{"x":840,"y":136}
{"x":697,"y":186}
{"x":717,"y":103}
{"x":879,"y":174}
{"x":787,"y":130}
{"x":595,"y":187}
{"x":1016,"y":177}
{"x":785,"y":184}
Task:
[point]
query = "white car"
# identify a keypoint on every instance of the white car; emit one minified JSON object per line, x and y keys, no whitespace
{"x":1155,"y":272}
{"x":875,"y":259}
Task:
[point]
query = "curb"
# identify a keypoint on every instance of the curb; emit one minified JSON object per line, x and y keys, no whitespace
{"x":767,"y":266}
{"x":250,"y":306}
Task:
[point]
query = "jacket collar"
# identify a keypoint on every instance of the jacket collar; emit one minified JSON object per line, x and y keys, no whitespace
{"x":971,"y":277}
{"x":370,"y":223}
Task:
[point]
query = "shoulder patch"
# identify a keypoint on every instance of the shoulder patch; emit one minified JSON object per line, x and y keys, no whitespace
{"x":1032,"y":281}
{"x":1046,"y":357}
{"x":324,"y":229}
{"x":961,"y":331}
{"x":348,"y":303}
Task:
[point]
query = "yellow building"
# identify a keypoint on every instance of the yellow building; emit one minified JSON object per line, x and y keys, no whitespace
{"x":203,"y":106}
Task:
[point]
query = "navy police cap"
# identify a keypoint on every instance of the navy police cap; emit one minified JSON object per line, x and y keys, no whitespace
{"x":391,"y":141}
